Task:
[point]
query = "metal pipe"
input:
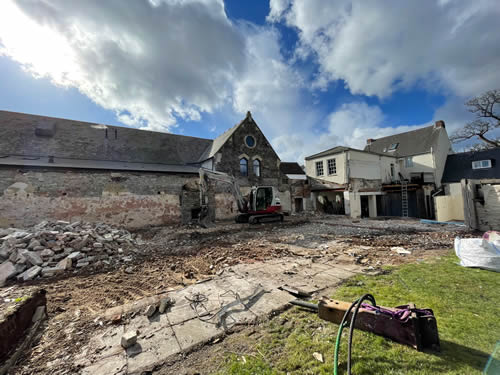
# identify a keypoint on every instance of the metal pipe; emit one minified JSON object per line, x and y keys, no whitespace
{"x":307,"y":305}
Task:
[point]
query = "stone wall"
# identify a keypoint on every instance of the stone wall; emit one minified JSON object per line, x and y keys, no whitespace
{"x":488,"y":212}
{"x":228,"y":158}
{"x":132,"y":200}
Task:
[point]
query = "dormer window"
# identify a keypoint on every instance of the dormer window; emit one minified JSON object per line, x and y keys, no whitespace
{"x":481,"y":164}
{"x":393,"y":147}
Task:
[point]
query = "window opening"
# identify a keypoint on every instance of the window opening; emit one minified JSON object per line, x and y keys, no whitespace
{"x":244,"y":167}
{"x":332,"y":166}
{"x":319,"y":168}
{"x":256,"y":167}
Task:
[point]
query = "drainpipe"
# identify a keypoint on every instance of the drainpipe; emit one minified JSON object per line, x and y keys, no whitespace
{"x":434,"y":165}
{"x":347,"y":169}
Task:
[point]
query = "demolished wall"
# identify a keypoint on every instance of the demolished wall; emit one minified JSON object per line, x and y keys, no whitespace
{"x":130,"y":199}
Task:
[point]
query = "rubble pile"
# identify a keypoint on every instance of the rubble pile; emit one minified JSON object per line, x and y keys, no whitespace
{"x":51,"y":248}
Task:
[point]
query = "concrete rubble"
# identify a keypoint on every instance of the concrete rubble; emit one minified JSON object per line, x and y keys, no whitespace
{"x":52,"y":248}
{"x":129,"y":338}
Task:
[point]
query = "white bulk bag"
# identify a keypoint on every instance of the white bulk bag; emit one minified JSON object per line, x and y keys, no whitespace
{"x":477,"y":252}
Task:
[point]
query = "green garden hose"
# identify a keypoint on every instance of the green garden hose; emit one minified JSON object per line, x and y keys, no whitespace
{"x":343,"y":324}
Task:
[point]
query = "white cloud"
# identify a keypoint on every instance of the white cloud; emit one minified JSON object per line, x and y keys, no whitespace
{"x":380,"y":47}
{"x":351,"y":124}
{"x":150,"y":61}
{"x":275,"y":93}
{"x":155,"y":61}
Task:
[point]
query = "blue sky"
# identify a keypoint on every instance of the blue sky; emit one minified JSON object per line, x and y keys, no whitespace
{"x":314,"y":74}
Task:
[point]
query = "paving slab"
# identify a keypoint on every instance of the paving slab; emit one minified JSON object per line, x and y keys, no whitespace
{"x":274,"y":300}
{"x":112,"y":365}
{"x":154,"y":348}
{"x":219,"y":309}
{"x":195,"y":332}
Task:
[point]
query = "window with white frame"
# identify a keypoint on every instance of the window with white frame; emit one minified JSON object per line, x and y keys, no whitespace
{"x":409,"y":162}
{"x":481,"y":164}
{"x":319,"y":168}
{"x":332,"y":166}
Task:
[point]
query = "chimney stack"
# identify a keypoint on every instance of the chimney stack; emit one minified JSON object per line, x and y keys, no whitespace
{"x":439,"y":124}
{"x":369,"y":141}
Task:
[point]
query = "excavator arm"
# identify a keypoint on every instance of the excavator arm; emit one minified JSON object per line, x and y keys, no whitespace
{"x":207,"y":175}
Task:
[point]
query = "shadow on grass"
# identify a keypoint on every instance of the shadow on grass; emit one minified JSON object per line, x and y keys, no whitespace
{"x":453,"y":357}
{"x":459,"y":354}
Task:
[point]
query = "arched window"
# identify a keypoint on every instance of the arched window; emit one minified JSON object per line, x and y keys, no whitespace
{"x":244,"y":167}
{"x":256,"y":167}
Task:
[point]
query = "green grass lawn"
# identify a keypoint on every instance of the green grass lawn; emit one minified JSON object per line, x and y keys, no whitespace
{"x":465,"y":302}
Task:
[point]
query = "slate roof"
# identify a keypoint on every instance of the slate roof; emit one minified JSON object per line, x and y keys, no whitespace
{"x":414,"y":142}
{"x":291,"y":168}
{"x":40,"y":136}
{"x":218,"y":142}
{"x":57,"y":162}
{"x":459,"y":166}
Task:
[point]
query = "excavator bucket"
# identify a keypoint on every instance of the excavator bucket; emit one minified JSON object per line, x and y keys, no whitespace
{"x":204,"y":218}
{"x":204,"y":222}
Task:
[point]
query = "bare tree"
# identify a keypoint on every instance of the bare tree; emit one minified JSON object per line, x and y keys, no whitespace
{"x":487,"y":111}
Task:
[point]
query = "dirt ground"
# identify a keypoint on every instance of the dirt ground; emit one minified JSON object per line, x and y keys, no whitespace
{"x":172,"y":257}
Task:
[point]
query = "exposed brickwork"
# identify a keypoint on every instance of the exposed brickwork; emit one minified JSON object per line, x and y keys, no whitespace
{"x":129,"y":199}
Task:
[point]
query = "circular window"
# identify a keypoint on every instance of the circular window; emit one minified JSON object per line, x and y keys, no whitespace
{"x":250,"y":141}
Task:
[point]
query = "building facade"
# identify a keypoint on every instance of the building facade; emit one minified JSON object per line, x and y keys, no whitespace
{"x":54,"y":168}
{"x":471,"y":189}
{"x":369,"y":182}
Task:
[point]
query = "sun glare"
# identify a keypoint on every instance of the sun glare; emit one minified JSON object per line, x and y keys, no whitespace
{"x":40,"y":49}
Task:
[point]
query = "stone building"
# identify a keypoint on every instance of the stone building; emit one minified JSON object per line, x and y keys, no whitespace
{"x":70,"y":170}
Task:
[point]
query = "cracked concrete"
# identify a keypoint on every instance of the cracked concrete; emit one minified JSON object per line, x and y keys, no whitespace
{"x":187,"y":325}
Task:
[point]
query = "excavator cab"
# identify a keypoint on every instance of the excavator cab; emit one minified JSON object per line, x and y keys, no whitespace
{"x":263,"y":205}
{"x":263,"y":198}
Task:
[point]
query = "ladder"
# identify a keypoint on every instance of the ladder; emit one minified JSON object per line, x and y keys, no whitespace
{"x":404,"y":198}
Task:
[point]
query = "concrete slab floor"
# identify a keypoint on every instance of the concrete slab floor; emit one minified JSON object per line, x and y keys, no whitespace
{"x":181,"y":329}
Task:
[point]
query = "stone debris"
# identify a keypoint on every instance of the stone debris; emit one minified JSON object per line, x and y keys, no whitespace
{"x":7,"y":270}
{"x":165,"y":303}
{"x":129,"y":338}
{"x":400,"y":250}
{"x":29,"y":274}
{"x":52,"y":248}
{"x":150,"y":310}
{"x":318,"y":357}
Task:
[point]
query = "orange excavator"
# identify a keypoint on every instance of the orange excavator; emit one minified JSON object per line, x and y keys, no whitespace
{"x":261,"y":205}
